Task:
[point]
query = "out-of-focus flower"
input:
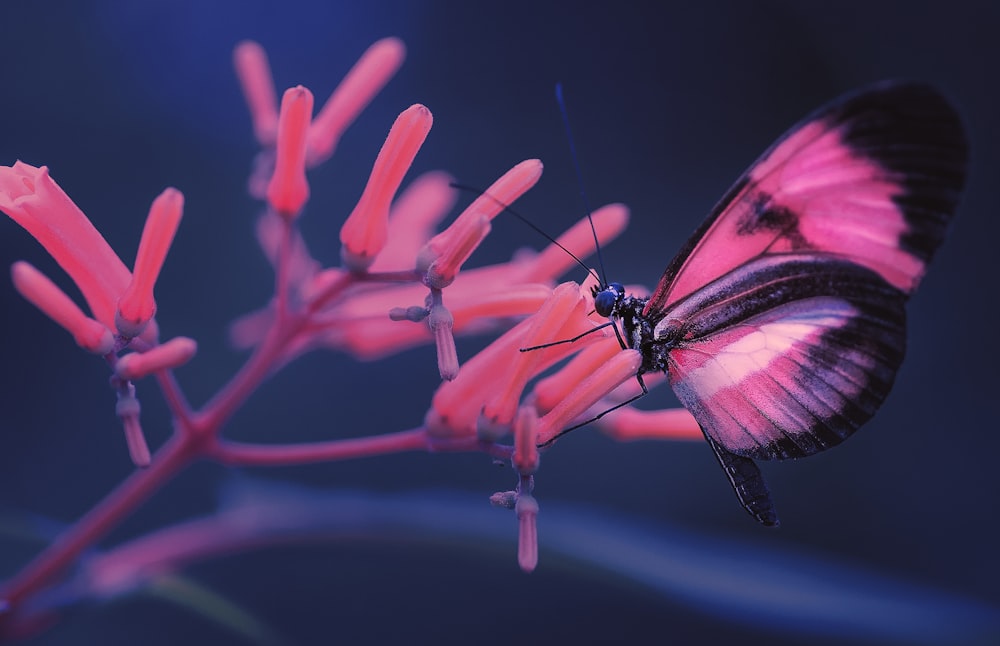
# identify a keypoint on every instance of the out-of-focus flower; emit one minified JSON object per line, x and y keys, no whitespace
{"x":128,"y":409}
{"x":364,"y":233}
{"x":175,"y":352}
{"x":136,"y":306}
{"x":254,"y":74}
{"x":366,"y":79}
{"x":368,"y":76}
{"x":121,"y":301}
{"x":288,"y":190}
{"x":41,"y":292}
{"x":33,"y":199}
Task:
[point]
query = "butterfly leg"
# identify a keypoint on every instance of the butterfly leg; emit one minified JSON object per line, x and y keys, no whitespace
{"x":576,"y":338}
{"x":748,"y":483}
{"x":645,"y":391}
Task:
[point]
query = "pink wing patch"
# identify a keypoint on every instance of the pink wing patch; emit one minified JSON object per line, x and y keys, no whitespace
{"x":786,"y":355}
{"x":872,"y":179}
{"x":791,"y":381}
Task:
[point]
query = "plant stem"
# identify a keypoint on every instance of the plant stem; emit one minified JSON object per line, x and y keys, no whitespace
{"x":263,"y":455}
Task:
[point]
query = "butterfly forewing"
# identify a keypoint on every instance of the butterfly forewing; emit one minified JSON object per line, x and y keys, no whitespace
{"x":874,"y":177}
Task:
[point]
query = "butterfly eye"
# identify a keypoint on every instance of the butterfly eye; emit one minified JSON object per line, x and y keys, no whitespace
{"x":605,"y":300}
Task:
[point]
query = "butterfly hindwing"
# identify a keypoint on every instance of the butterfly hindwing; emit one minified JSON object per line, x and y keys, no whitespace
{"x":786,"y":356}
{"x":748,"y":483}
{"x":873,"y":177}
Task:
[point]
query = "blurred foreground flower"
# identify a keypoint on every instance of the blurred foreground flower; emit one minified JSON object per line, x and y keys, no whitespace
{"x":121,"y":301}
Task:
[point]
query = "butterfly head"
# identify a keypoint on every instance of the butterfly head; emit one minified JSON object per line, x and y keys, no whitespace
{"x":608,"y":298}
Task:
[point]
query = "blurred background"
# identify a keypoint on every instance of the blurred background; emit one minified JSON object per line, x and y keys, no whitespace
{"x":669,"y":103}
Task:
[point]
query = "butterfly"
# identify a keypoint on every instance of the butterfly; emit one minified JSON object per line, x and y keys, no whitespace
{"x":781,"y":323}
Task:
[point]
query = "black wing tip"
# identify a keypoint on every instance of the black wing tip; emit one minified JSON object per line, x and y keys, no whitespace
{"x":905,"y":122}
{"x":900,"y":96}
{"x":905,"y":114}
{"x":914,"y":132}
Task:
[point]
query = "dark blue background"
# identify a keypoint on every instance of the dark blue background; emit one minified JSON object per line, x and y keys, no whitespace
{"x":669,"y":105}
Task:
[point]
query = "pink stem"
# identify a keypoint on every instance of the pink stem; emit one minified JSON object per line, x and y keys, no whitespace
{"x":403,"y":276}
{"x":176,"y":401}
{"x":332,"y":291}
{"x":283,"y":269}
{"x":265,"y":455}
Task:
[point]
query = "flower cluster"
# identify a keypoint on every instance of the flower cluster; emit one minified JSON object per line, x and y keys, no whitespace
{"x":400,"y":285}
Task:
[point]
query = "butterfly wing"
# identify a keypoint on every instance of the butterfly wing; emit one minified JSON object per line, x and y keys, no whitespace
{"x":873,"y":177}
{"x":787,"y":355}
{"x":748,"y":483}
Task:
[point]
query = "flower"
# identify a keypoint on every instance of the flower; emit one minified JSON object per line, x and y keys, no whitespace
{"x":136,"y":305}
{"x":41,"y":292}
{"x":288,"y":189}
{"x":122,"y":302}
{"x":364,"y":233}
{"x":33,"y":199}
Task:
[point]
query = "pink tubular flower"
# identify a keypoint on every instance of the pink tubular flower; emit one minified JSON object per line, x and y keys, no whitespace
{"x":361,"y":326}
{"x":33,"y":200}
{"x":459,"y":407}
{"x":136,"y":306}
{"x":527,"y":535}
{"x":590,"y":389}
{"x":254,"y":74}
{"x":456,"y":406}
{"x":629,"y":424}
{"x":368,"y":76}
{"x":443,"y":254}
{"x":288,"y":189}
{"x":464,"y":236}
{"x":500,"y":408}
{"x":525,"y":459}
{"x":175,"y":352}
{"x":364,"y":233}
{"x":556,"y":387}
{"x":412,"y":218}
{"x":441,"y":323}
{"x":46,"y":296}
{"x":128,"y":410}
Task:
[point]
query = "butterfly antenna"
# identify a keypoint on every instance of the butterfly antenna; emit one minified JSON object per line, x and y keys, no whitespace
{"x":507,"y":208}
{"x":579,"y":180}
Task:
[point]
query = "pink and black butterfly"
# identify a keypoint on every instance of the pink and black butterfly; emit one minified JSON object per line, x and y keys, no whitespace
{"x":781,"y":323}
